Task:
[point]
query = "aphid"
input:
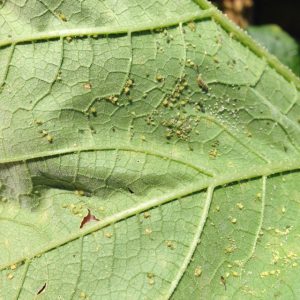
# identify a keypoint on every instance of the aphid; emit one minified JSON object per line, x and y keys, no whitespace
{"x":235,"y":274}
{"x":126,"y":90}
{"x":87,"y":86}
{"x":159,"y":77}
{"x":240,"y":206}
{"x":202,"y":84}
{"x":62,"y":17}
{"x":198,"y":271}
{"x":93,"y":110}
{"x":44,"y":133}
{"x":148,"y":231}
{"x":79,"y":193}
{"x":49,"y":138}
{"x":192,"y":26}
{"x":150,"y":277}
{"x":223,"y":281}
{"x":233,"y":220}
{"x":69,"y":39}
{"x":38,"y":122}
{"x":147,"y":215}
{"x":170,"y":245}
{"x":113,"y":99}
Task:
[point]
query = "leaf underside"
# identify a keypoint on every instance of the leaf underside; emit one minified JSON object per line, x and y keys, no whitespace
{"x":146,"y":152}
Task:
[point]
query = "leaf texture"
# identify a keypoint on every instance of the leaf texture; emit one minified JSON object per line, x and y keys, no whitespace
{"x":148,"y":150}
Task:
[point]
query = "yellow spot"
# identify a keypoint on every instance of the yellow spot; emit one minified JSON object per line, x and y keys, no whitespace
{"x":82,"y":295}
{"x":10,"y":276}
{"x":192,"y":26}
{"x":269,"y":273}
{"x":108,"y":234}
{"x":282,"y":232}
{"x":292,"y":255}
{"x":276,"y":257}
{"x":147,"y":215}
{"x":170,"y":245}
{"x":49,"y":138}
{"x":240,"y":206}
{"x":230,"y":249}
{"x":198,"y":271}
{"x":148,"y":231}
{"x":233,"y":220}
{"x":235,"y":274}
{"x":87,"y":86}
{"x":61,"y":16}
{"x":79,"y":193}
{"x":13,"y":267}
{"x":93,"y":110}
{"x":213,"y":153}
{"x":264,"y":274}
{"x":283,"y":210}
{"x":150,"y":277}
{"x":126,"y":90}
{"x":159,"y":77}
{"x":113,"y":99}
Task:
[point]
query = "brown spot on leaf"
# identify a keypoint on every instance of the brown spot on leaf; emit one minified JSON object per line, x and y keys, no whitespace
{"x":88,"y":218}
{"x":42,"y":289}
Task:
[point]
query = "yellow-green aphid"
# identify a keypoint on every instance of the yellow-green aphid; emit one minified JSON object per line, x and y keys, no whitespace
{"x":61,"y":16}
{"x":201,"y":83}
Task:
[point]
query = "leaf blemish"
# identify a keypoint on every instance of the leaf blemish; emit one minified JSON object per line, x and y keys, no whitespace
{"x":88,"y":218}
{"x":42,"y":289}
{"x":130,"y":190}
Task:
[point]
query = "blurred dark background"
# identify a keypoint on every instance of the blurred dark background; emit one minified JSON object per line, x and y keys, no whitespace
{"x":285,"y":13}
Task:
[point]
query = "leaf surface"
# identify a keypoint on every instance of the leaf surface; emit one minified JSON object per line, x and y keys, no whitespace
{"x":148,"y":150}
{"x":278,"y":42}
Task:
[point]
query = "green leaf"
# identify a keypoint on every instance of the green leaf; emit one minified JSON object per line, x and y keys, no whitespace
{"x":148,"y":150}
{"x":279,"y":43}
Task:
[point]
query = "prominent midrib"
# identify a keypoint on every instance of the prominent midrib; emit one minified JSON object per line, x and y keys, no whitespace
{"x":105,"y":30}
{"x":260,"y":171}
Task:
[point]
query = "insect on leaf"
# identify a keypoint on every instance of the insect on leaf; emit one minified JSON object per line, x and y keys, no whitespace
{"x":128,"y":173}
